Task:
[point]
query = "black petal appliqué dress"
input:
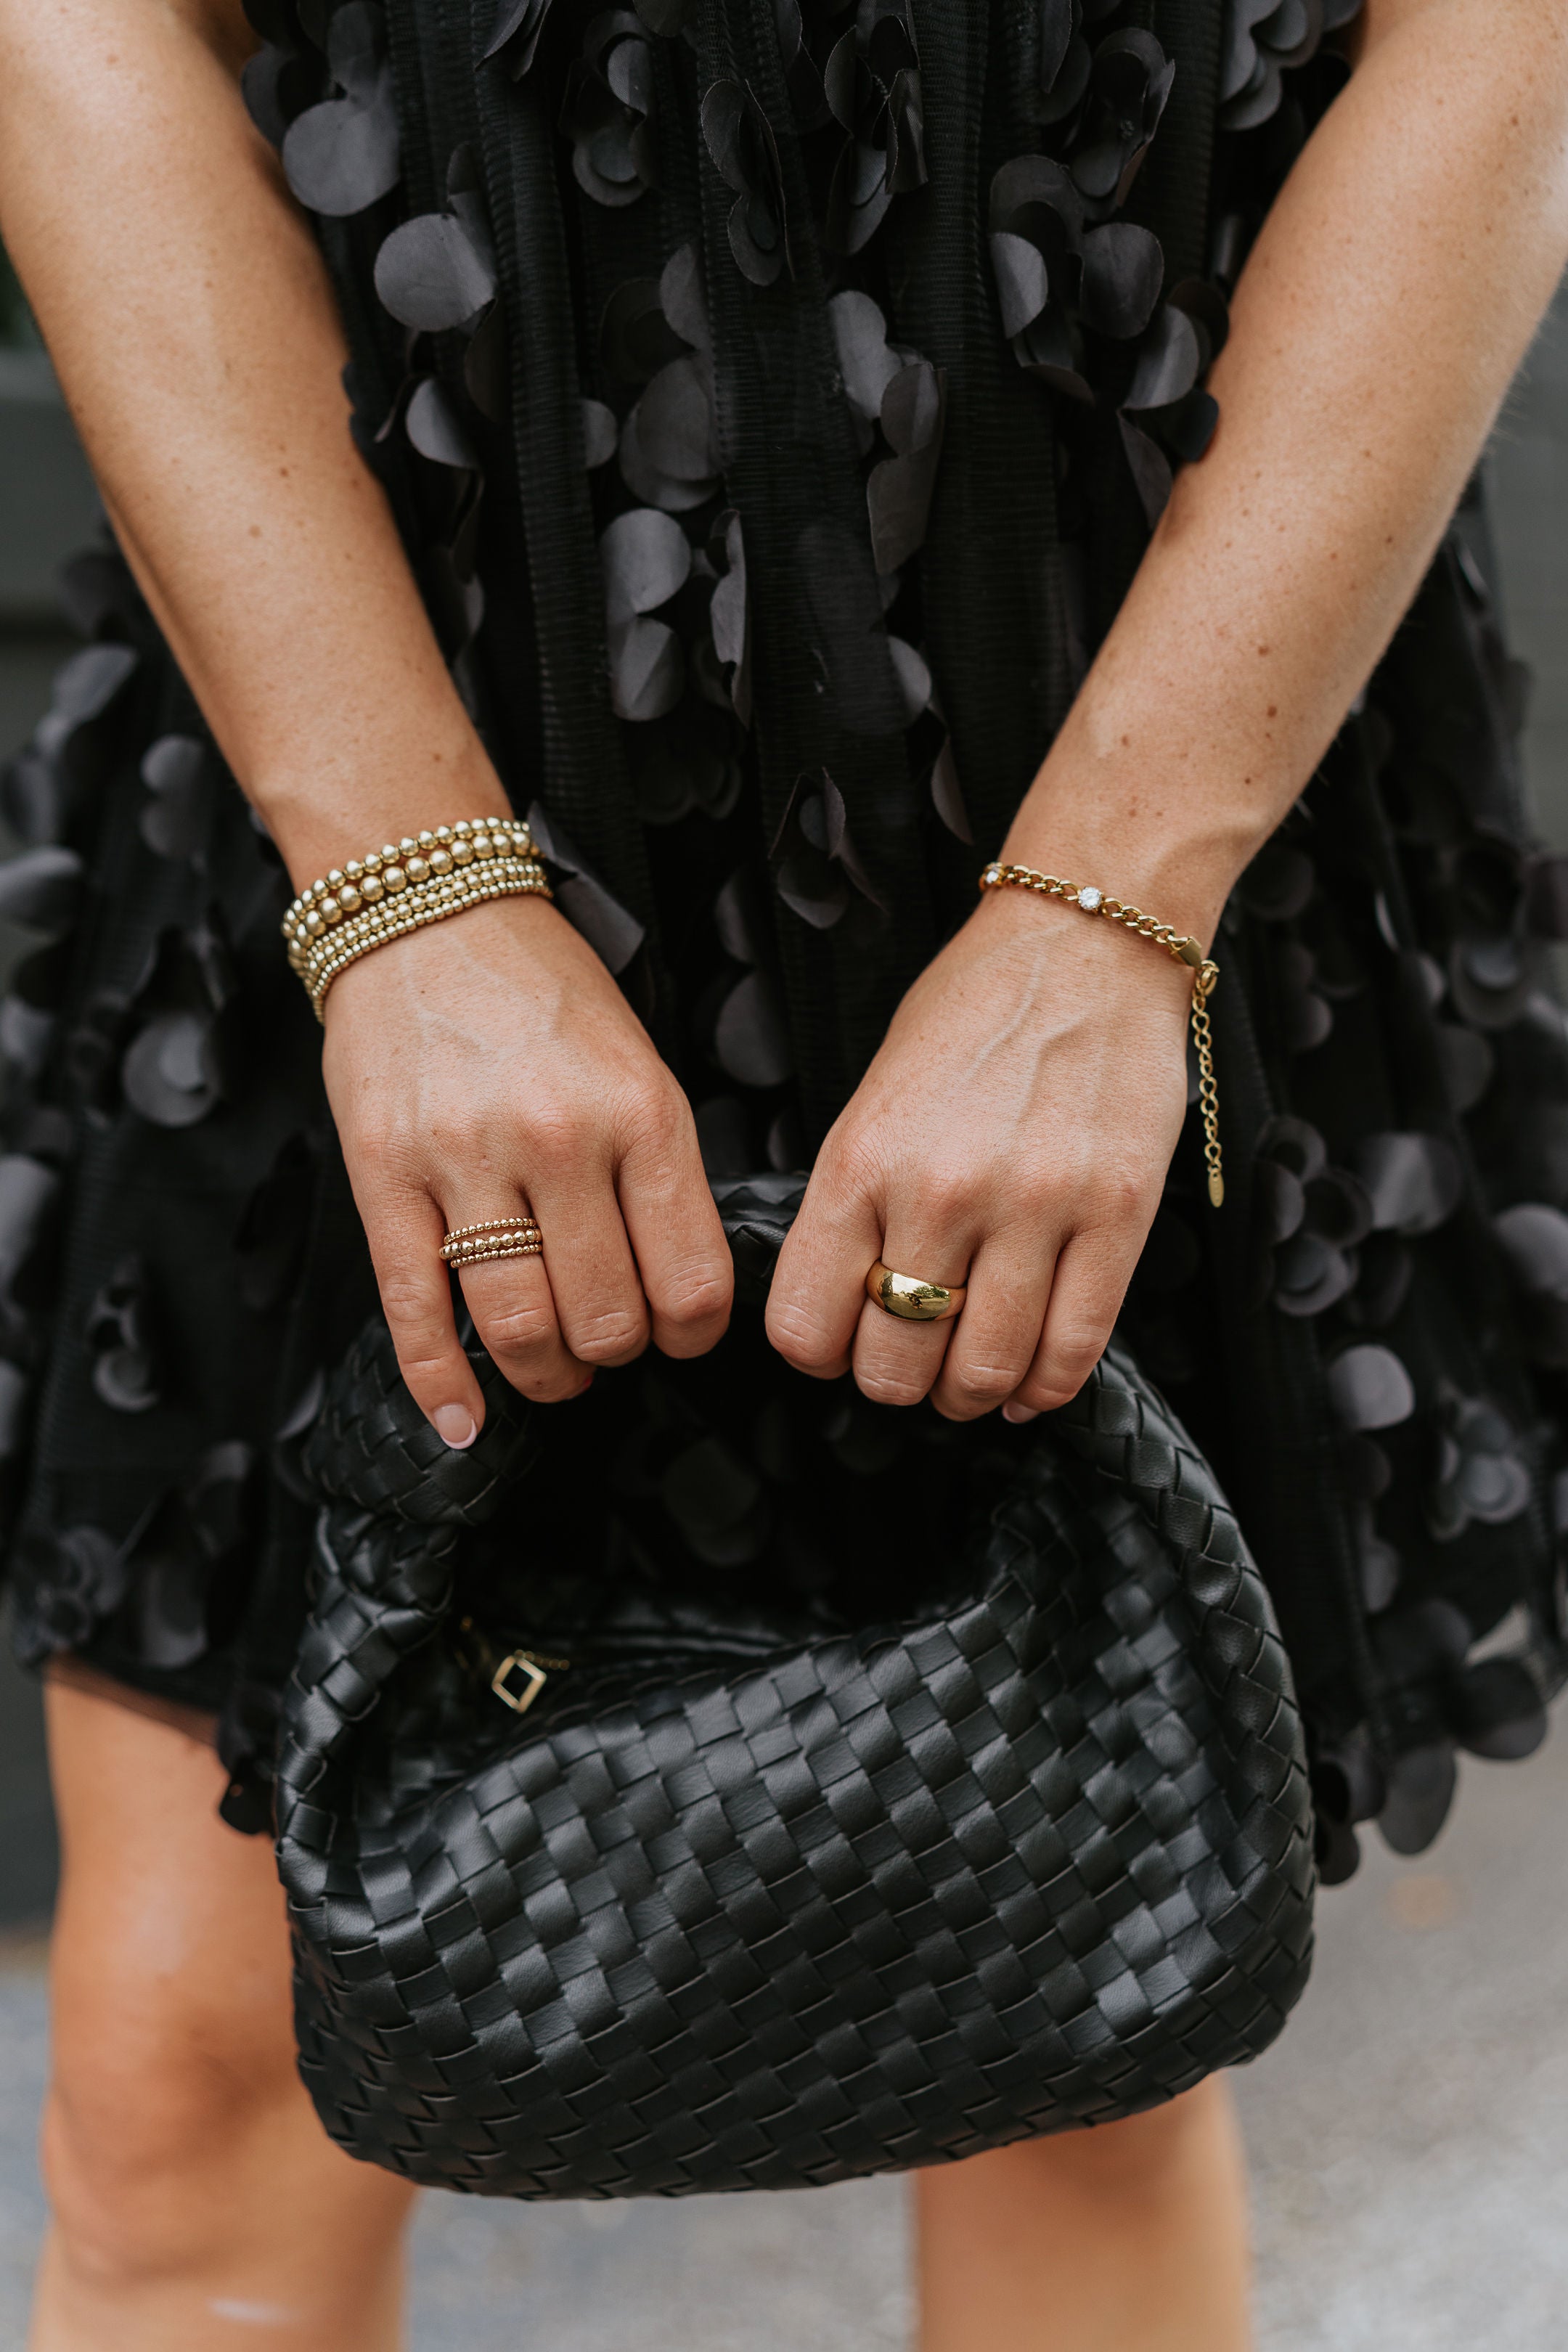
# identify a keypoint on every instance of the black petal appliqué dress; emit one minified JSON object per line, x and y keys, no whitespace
{"x":776,"y":396}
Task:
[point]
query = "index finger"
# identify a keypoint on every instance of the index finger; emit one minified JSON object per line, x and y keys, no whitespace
{"x":819,"y":1289}
{"x":404,"y":1228}
{"x":677,"y":1240}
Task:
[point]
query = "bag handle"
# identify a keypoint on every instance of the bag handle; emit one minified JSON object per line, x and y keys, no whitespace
{"x":397,"y":1498}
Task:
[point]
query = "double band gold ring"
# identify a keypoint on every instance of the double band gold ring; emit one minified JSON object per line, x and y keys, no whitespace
{"x":500,"y":1237}
{"x":913,"y":1300}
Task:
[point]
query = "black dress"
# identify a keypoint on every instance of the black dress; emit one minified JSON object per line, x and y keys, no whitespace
{"x":776,"y":396}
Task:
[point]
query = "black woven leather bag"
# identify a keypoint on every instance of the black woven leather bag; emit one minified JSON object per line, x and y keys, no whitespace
{"x":1038,"y":1855}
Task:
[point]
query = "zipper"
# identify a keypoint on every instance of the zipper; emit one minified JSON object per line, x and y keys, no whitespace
{"x":517,"y":1677}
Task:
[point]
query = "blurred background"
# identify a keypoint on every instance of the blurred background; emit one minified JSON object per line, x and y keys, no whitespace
{"x":1409,"y":2135}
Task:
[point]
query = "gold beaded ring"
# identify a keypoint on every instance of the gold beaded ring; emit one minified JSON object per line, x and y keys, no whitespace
{"x":490,"y":1226}
{"x":481,"y":1255}
{"x":497,"y":1238}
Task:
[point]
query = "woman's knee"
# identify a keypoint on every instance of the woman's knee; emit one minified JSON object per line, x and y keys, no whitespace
{"x":171,"y":2034}
{"x":159,"y":2103}
{"x":178,"y":2142}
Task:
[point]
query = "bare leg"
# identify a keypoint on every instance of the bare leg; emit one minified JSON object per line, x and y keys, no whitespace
{"x":1132,"y":2238}
{"x":198,"y":2206}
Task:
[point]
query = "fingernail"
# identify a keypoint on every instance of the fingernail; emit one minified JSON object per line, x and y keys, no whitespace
{"x":1019,"y":1413}
{"x":455,"y":1424}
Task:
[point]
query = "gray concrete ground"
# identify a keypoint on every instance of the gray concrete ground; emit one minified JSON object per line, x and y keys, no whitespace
{"x":1409,"y":2135}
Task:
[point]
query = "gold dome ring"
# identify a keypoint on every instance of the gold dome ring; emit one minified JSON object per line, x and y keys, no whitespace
{"x":913,"y":1300}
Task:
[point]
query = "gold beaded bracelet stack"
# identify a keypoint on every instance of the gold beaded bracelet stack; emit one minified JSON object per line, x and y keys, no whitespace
{"x":1185,"y":951}
{"x":400,"y":888}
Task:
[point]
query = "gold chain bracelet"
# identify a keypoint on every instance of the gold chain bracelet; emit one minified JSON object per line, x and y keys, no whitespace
{"x":405,"y":886}
{"x":1182,"y":950}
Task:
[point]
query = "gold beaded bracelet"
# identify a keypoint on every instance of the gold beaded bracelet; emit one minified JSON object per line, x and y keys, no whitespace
{"x":431,"y":902}
{"x":1185,"y":951}
{"x":402,"y":888}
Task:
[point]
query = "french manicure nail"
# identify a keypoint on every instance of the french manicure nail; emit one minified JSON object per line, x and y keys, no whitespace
{"x":455,"y":1424}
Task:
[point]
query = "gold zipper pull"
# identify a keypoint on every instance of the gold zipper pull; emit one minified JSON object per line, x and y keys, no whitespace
{"x":535,"y":1672}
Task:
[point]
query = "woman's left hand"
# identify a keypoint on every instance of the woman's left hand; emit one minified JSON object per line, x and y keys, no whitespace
{"x":1013,"y":1133}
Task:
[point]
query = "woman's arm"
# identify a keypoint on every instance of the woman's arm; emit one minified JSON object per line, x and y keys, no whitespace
{"x":1020,"y":1118}
{"x":1391,"y":295}
{"x":194,"y":331}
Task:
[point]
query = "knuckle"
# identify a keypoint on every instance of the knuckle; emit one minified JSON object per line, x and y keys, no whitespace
{"x":377,"y":1146}
{"x":411,"y":1308}
{"x":798,"y":1335}
{"x":429,"y":1375}
{"x":984,"y":1384}
{"x":939,"y":1200}
{"x":657,"y":1118}
{"x":1079,"y":1352}
{"x":849,"y":1167}
{"x":889,"y":1387}
{"x":557,"y":1138}
{"x":1036,"y":1200}
{"x":1124,"y":1195}
{"x":612,"y":1337}
{"x":697,"y":1296}
{"x":953,"y":1189}
{"x":513,"y":1331}
{"x":1067,"y":1365}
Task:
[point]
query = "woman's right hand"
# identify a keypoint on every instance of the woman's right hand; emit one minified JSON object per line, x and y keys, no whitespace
{"x":489,"y":1065}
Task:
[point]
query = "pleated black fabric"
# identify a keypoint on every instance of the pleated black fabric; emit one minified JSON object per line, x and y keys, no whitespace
{"x":775,"y":399}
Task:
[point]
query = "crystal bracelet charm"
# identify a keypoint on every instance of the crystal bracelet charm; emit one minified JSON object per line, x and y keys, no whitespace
{"x":1176,"y":944}
{"x":402,"y":888}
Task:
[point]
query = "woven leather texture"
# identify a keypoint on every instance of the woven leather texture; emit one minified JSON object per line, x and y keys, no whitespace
{"x":758,"y":1212}
{"x":1038,"y":1857}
